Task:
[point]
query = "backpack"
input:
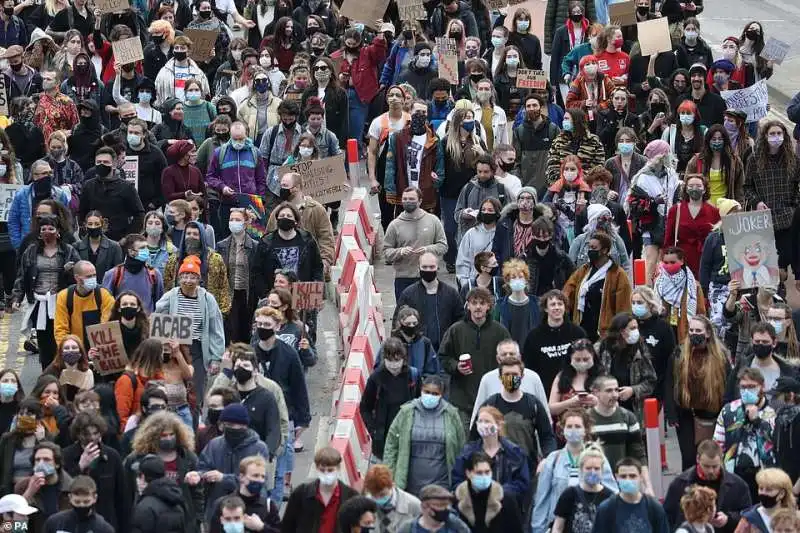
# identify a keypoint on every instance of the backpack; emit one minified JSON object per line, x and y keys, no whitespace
{"x":98,"y":299}
{"x":501,"y":191}
{"x":119,"y":272}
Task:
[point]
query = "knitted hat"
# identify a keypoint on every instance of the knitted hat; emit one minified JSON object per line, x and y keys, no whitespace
{"x":723,"y":64}
{"x":169,"y":104}
{"x":464,"y":104}
{"x":698,"y":67}
{"x":726,"y":205}
{"x":422,"y":46}
{"x":528,"y":190}
{"x":235,"y":413}
{"x":152,"y":466}
{"x":191,"y":264}
{"x":656,"y":148}
{"x":179,"y":148}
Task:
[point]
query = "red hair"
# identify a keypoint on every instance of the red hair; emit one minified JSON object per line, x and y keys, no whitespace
{"x":576,"y":161}
{"x":689,"y":106}
{"x":378,"y":479}
{"x":586,"y":59}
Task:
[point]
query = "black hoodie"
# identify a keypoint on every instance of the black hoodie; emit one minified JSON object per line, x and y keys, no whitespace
{"x":85,"y":136}
{"x":161,"y":508}
{"x":69,"y":521}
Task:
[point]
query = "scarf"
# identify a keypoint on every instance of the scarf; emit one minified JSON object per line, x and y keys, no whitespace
{"x":523,"y":237}
{"x":588,"y":281}
{"x":672,"y":287}
{"x":571,"y":30}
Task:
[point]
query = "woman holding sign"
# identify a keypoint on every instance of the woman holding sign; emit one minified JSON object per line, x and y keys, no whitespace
{"x":71,"y":367}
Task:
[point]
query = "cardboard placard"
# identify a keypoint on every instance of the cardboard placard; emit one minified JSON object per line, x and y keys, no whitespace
{"x":753,"y":100}
{"x":531,"y":79}
{"x":366,"y":11}
{"x":324,"y":180}
{"x":750,"y":248}
{"x":76,"y":378}
{"x":412,"y":10}
{"x":447,"y":57}
{"x":131,"y":170}
{"x":3,"y":97}
{"x":7,"y":192}
{"x":112,"y":6}
{"x":254,"y":205}
{"x":128,"y":51}
{"x":203,"y":43}
{"x":171,"y":327}
{"x":654,"y":36}
{"x":622,"y":13}
{"x":106,"y":338}
{"x":495,"y":5}
{"x":775,"y":50}
{"x":308,"y":295}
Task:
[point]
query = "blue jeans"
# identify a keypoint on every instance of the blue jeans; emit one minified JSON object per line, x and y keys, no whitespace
{"x":185,"y":414}
{"x":358,"y":111}
{"x":400,"y":284}
{"x":283,"y":464}
{"x":448,"y":206}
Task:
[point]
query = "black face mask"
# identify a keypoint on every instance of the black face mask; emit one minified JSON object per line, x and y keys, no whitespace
{"x":285,"y":193}
{"x":409,"y":331}
{"x":418,"y":123}
{"x":455,"y":35}
{"x":128,"y":67}
{"x":762,"y":351}
{"x":353,"y":49}
{"x":286,"y":224}
{"x":441,"y":516}
{"x":576,"y":18}
{"x":212,"y":416}
{"x":643,"y":10}
{"x":488,"y":218}
{"x":242,"y":375}
{"x":697,"y":339}
{"x":223,"y":137}
{"x":94,"y":233}
{"x":428,"y":275}
{"x":542,"y":245}
{"x":752,"y":35}
{"x":265,"y":334}
{"x":102,"y":171}
{"x":319,"y":52}
{"x":476,"y":77}
{"x":192,"y":246}
{"x":167,"y":444}
{"x":507,"y":167}
{"x":128,"y":313}
{"x":594,"y":255}
{"x":8,"y":11}
{"x":235,"y":435}
{"x":43,"y":186}
{"x":179,"y":56}
{"x":204,"y":14}
{"x":17,"y":67}
{"x":408,"y":34}
{"x":157,"y":39}
{"x":83,"y":512}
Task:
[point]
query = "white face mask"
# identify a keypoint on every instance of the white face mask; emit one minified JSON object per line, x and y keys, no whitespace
{"x":265,"y":62}
{"x":305,"y":151}
{"x":423,"y":61}
{"x":632,"y":337}
{"x":328,"y":478}
{"x":236,"y":54}
{"x":591,"y":70}
{"x":570,"y":175}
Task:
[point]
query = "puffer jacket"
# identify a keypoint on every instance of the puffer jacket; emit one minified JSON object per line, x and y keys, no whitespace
{"x":161,"y":508}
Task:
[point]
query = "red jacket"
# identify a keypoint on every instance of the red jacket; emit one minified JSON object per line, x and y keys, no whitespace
{"x":692,"y":232}
{"x":364,"y":70}
{"x":176,"y":180}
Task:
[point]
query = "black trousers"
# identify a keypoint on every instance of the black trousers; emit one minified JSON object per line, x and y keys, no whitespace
{"x":238,"y":323}
{"x":47,"y":342}
{"x":8,"y":261}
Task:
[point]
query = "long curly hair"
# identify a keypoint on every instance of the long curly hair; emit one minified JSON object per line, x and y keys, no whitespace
{"x":709,"y":366}
{"x":149,"y":433}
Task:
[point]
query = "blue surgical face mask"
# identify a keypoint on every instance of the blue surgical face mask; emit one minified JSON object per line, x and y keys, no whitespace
{"x":639,"y":310}
{"x":625,"y":148}
{"x":497,"y":42}
{"x":134,"y":140}
{"x":90,"y":284}
{"x":145,"y":97}
{"x":143,"y":255}
{"x":359,"y":27}
{"x":7,"y":390}
{"x":517,"y":284}
{"x":749,"y":397}
{"x":778,"y":325}
{"x":382,"y":501}
{"x":45,"y":468}
{"x":566,"y":125}
{"x":235,"y":226}
{"x":481,"y":482}
{"x":233,"y":527}
{"x":592,"y":477}
{"x":687,"y":120}
{"x":628,"y":486}
{"x":430,"y":401}
{"x":468,"y":125}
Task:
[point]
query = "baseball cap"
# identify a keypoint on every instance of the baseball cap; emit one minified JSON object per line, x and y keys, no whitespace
{"x":785,"y":385}
{"x":15,"y":503}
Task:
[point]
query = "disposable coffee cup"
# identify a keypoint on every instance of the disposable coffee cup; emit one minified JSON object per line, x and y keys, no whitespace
{"x":466,"y":360}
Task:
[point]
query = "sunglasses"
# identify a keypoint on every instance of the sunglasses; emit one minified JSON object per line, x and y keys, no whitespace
{"x":321,"y":68}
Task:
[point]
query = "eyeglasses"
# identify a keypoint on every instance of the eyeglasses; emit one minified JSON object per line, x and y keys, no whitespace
{"x":322,"y":68}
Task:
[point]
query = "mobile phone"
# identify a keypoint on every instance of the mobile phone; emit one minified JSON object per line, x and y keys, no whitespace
{"x":583,"y":395}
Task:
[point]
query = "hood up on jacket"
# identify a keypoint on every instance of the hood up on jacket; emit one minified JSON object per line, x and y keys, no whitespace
{"x":165,"y":490}
{"x":203,"y":249}
{"x":91,"y":123}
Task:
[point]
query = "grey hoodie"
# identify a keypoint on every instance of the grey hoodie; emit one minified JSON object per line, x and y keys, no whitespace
{"x":417,"y":230}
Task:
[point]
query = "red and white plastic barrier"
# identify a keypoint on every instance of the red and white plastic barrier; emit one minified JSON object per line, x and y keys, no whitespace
{"x":351,"y":438}
{"x":653,"y":435}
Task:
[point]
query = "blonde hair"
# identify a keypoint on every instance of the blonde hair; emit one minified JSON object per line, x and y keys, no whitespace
{"x":270,"y":312}
{"x":650,"y":298}
{"x":256,"y":460}
{"x":710,"y":367}
{"x":515,"y":268}
{"x":462,"y":158}
{"x":163,"y":26}
{"x":147,"y":436}
{"x":775,"y":478}
{"x":592,"y":450}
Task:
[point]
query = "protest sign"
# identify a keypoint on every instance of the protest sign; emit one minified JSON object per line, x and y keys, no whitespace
{"x":654,"y":36}
{"x":106,"y":338}
{"x":3,"y":97}
{"x":112,"y":6}
{"x":750,"y":248}
{"x":447,"y":57}
{"x":203,"y":43}
{"x":131,"y":170}
{"x":324,"y":180}
{"x":366,"y":11}
{"x":412,"y":10}
{"x":531,"y":79}
{"x":127,"y":51}
{"x":171,"y":327}
{"x":622,"y":13}
{"x":495,"y":5}
{"x":753,"y":100}
{"x":7,"y":192}
{"x":307,"y":295}
{"x":256,"y":213}
{"x":76,"y":378}
{"x":775,"y":50}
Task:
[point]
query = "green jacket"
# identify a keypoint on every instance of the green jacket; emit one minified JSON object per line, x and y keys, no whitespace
{"x":397,"y":452}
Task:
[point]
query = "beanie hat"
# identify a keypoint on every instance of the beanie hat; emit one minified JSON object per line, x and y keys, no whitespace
{"x":422,"y":46}
{"x":235,"y":413}
{"x":726,"y":205}
{"x":528,"y":190}
{"x":463,"y":104}
{"x":191,"y":264}
{"x":595,"y":211}
{"x":656,"y":148}
{"x":179,"y":148}
{"x":152,"y":467}
{"x":698,"y":67}
{"x":723,"y":64}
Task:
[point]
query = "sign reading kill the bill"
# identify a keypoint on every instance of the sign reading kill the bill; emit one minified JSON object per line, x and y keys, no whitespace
{"x":165,"y":327}
{"x":203,"y":42}
{"x":750,"y":249}
{"x":412,"y":10}
{"x":106,"y":338}
{"x":308,"y":295}
{"x":324,"y":180}
{"x":531,"y":79}
{"x":127,"y":51}
{"x":7,"y":192}
{"x":447,"y":57}
{"x":366,"y":11}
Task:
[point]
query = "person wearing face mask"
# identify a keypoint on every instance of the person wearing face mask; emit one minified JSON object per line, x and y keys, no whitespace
{"x":11,"y":396}
{"x":532,"y":140}
{"x":85,"y":135}
{"x":522,"y":37}
{"x":570,"y":194}
{"x":679,"y":291}
{"x":611,"y":120}
{"x":71,"y":366}
{"x":83,"y":495}
{"x":446,"y":11}
{"x":181,"y":180}
{"x":391,"y":384}
{"x":16,"y":30}
{"x":261,"y":110}
{"x":66,"y":171}
{"x":745,"y":428}
{"x":395,"y":507}
{"x":161,"y":504}
{"x":197,"y":112}
{"x":481,"y":492}
{"x":573,"y":34}
{"x":279,"y":141}
{"x":721,"y":77}
{"x":28,"y":196}
{"x":634,"y":506}
{"x":134,"y":274}
{"x":431,"y":421}
{"x":436,"y":513}
{"x":237,"y":250}
{"x":21,"y":79}
{"x":419,"y":70}
{"x":412,"y":233}
{"x":159,"y":244}
{"x":401,"y":52}
{"x":83,"y":83}
{"x":590,"y":91}
{"x":762,"y":354}
{"x":257,"y":512}
{"x":159,"y":50}
{"x":81,"y":305}
{"x":692,"y":48}
{"x":575,"y":139}
{"x":480,"y":188}
{"x":134,"y":324}
{"x":219,"y":133}
{"x":171,"y":79}
{"x":476,"y":240}
{"x":559,"y":11}
{"x":600,"y":218}
{"x":422,"y":358}
{"x":517,"y":312}
{"x":486,"y":275}
{"x":711,"y":106}
{"x":690,"y":221}
{"x":720,"y":164}
{"x":55,"y":110}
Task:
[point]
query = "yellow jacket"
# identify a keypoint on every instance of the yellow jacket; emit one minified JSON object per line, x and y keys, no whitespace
{"x":66,"y":324}
{"x":216,"y":282}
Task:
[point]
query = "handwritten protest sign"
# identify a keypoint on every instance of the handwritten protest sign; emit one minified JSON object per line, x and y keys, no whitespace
{"x":3,"y":97}
{"x":531,"y":79}
{"x":775,"y":50}
{"x":106,"y":338}
{"x":752,"y":100}
{"x":254,"y":206}
{"x":171,"y":327}
{"x":112,"y":6}
{"x":495,"y":4}
{"x":324,"y":180}
{"x":76,"y":378}
{"x":128,"y":51}
{"x":654,"y":36}
{"x":447,"y":57}
{"x":366,"y":11}
{"x":203,"y":42}
{"x":622,"y":13}
{"x":307,"y":295}
{"x":131,"y":170}
{"x":7,"y":191}
{"x":412,"y":10}
{"x":750,"y":247}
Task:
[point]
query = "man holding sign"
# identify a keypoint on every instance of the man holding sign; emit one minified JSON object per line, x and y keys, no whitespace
{"x":207,"y":337}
